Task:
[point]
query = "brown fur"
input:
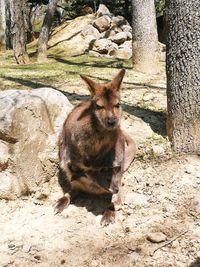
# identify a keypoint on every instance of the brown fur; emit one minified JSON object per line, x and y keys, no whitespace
{"x":93,"y":150}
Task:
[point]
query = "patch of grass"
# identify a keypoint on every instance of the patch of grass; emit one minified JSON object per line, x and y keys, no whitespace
{"x":58,"y":69}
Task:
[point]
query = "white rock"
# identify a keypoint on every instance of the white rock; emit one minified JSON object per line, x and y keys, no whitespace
{"x":102,"y":46}
{"x":157,"y":237}
{"x":30,"y":121}
{"x":103,"y":10}
{"x":102,"y":24}
{"x":119,"y":38}
{"x":158,"y":150}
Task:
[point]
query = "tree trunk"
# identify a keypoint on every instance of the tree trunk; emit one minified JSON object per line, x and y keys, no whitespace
{"x":2,"y":25}
{"x":18,"y":31}
{"x":145,"y":36}
{"x":183,"y":75}
{"x":44,"y":34}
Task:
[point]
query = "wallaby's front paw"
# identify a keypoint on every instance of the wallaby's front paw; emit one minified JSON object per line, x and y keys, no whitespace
{"x":108,"y":217}
{"x":61,"y":204}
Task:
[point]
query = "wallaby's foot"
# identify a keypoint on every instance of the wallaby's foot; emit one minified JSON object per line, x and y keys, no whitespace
{"x":62,"y":204}
{"x":108,"y":217}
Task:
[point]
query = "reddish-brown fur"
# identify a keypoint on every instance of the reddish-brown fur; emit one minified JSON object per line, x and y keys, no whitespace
{"x":93,"y":150}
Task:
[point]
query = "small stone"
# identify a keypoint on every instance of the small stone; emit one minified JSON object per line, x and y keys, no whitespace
{"x":157,"y":237}
{"x":158,"y":150}
{"x":189,"y":169}
{"x":11,"y":246}
{"x":102,"y":24}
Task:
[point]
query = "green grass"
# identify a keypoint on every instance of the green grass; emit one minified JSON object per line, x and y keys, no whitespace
{"x":58,"y":69}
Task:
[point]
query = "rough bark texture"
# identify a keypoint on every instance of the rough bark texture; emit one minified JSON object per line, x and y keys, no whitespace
{"x":18,"y":31}
{"x":183,"y":75}
{"x":2,"y":25}
{"x":145,"y":37}
{"x":44,"y":34}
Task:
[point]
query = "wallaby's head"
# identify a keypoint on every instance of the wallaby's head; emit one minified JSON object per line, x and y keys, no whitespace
{"x":106,"y":100}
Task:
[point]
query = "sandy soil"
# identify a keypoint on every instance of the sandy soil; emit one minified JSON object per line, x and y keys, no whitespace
{"x":157,"y":226}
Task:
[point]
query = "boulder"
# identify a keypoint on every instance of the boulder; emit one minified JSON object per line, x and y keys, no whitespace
{"x":102,"y":46}
{"x":30,"y":122}
{"x":68,"y":38}
{"x":126,"y":28}
{"x":102,"y":24}
{"x":119,"y":38}
{"x":90,"y":30}
{"x":102,"y":10}
{"x":119,"y":21}
{"x":122,"y":53}
{"x":126,"y":44}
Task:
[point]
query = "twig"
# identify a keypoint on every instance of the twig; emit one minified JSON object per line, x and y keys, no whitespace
{"x":169,"y":242}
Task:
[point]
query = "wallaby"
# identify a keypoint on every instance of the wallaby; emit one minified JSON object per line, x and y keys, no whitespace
{"x":93,"y":150}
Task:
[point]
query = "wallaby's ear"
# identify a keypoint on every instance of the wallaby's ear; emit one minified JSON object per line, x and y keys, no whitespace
{"x":117,"y":80}
{"x":91,"y":84}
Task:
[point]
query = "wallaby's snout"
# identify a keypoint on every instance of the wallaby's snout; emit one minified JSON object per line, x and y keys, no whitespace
{"x":111,"y":122}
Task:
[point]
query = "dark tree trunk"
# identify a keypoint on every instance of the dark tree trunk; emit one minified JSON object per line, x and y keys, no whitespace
{"x":18,"y":31}
{"x":2,"y":25}
{"x":183,"y":75}
{"x":145,"y":37}
{"x":44,"y":34}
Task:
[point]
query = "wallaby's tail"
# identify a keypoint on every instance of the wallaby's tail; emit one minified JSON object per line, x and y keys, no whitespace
{"x":130,"y":150}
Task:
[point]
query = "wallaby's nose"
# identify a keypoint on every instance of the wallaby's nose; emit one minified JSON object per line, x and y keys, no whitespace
{"x":111,"y":122}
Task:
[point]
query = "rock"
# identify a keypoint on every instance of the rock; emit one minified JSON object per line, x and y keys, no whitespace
{"x":126,"y":28}
{"x":135,"y":199}
{"x":102,"y":24}
{"x":126,"y":44}
{"x":94,"y":54}
{"x":102,"y":46}
{"x":112,"y":48}
{"x":108,"y":33}
{"x":68,"y":37}
{"x":4,"y":155}
{"x":157,"y":237}
{"x":116,"y":29}
{"x":90,"y":30}
{"x":118,"y":21}
{"x":119,"y":38}
{"x":30,"y":122}
{"x":158,"y":150}
{"x":102,"y":10}
{"x":123,"y":53}
{"x":129,"y":36}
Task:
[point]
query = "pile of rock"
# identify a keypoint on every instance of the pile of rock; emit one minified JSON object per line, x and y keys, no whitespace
{"x":109,"y":35}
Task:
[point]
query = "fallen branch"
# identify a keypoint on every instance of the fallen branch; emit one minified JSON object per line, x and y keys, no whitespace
{"x":168,"y":242}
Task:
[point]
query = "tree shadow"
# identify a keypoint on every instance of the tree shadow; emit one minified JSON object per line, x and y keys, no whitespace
{"x":113,"y":63}
{"x":156,"y":119}
{"x":196,"y":263}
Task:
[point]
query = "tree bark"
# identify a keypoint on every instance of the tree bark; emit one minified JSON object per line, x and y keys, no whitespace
{"x":2,"y":25}
{"x":18,"y":31}
{"x":183,"y":75}
{"x":44,"y":34}
{"x":145,"y":37}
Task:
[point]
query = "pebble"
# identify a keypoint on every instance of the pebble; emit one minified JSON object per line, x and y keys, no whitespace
{"x":157,"y":237}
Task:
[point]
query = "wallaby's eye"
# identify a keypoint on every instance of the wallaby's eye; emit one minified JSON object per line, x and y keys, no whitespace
{"x":99,"y":107}
{"x":117,"y":105}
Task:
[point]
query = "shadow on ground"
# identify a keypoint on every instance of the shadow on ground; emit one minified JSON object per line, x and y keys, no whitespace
{"x":156,"y":119}
{"x":196,"y":263}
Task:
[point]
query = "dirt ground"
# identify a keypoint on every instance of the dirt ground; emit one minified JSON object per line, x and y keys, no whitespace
{"x":157,"y":226}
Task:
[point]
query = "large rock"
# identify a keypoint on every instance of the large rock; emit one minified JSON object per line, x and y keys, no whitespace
{"x":122,"y":53}
{"x":30,"y":122}
{"x":119,"y":38}
{"x":68,"y":38}
{"x":102,"y":24}
{"x":103,"y":10}
{"x":102,"y":46}
{"x":90,"y":30}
